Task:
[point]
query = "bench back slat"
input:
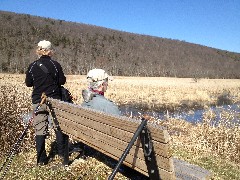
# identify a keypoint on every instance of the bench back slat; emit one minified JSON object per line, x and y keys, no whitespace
{"x":157,"y":132}
{"x":111,"y":135}
{"x":112,"y":132}
{"x":92,"y":134}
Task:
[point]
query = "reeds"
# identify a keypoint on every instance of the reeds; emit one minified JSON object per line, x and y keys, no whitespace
{"x":14,"y":104}
{"x":164,"y":93}
{"x":215,"y":137}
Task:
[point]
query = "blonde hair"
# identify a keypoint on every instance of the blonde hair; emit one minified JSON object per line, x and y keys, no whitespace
{"x":40,"y":51}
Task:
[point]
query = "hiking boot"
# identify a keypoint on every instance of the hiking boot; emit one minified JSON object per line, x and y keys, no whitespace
{"x":62,"y":146}
{"x":40,"y":148}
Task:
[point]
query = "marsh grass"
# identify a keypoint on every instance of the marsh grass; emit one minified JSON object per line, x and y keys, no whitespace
{"x":13,"y":103}
{"x":164,"y":93}
{"x":213,"y":144}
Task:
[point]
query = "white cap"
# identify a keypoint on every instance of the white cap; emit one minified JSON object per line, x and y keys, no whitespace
{"x":98,"y":75}
{"x":45,"y":44}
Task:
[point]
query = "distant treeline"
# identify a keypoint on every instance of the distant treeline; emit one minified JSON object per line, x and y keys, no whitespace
{"x":80,"y":47}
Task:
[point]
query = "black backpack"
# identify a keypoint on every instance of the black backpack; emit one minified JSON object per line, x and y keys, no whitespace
{"x":66,"y":96}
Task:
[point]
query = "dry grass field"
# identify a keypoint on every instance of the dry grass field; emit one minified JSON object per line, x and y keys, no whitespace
{"x":161,"y":92}
{"x":151,"y":92}
{"x":214,"y":147}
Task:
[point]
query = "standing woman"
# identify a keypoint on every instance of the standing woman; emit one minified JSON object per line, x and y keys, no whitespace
{"x":49,"y":83}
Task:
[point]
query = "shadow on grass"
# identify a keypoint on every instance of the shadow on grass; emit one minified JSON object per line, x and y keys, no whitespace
{"x":110,"y":162}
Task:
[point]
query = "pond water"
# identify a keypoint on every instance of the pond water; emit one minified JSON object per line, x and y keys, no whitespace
{"x":193,"y":116}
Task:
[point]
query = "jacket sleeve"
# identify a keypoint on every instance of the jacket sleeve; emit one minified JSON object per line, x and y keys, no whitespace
{"x":62,"y":78}
{"x":29,"y":79}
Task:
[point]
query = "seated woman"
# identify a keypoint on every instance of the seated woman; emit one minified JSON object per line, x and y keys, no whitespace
{"x":94,"y":96}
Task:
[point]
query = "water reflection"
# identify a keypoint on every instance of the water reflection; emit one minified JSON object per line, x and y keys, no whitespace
{"x":193,"y":116}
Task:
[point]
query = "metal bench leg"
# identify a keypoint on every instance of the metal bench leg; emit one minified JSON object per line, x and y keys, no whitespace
{"x":125,"y":153}
{"x":149,"y":154}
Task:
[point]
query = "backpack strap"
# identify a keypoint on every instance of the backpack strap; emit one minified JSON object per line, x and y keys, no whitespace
{"x":41,"y":65}
{"x":45,"y":69}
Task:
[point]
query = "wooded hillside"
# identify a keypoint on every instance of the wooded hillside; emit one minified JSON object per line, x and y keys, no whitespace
{"x":80,"y":47}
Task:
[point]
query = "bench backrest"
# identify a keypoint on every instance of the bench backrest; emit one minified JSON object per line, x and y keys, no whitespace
{"x":111,"y":134}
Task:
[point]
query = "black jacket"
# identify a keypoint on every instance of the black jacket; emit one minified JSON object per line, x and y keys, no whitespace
{"x":42,"y":82}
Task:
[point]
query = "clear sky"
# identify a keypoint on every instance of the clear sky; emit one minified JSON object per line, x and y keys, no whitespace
{"x":212,"y":23}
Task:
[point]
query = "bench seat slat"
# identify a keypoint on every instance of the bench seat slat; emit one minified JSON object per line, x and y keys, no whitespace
{"x":186,"y":170}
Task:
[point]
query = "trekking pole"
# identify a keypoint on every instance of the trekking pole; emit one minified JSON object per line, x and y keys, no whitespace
{"x":16,"y":145}
{"x":125,"y":153}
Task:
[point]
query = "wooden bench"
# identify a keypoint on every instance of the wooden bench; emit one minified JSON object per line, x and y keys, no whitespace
{"x":111,"y":135}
